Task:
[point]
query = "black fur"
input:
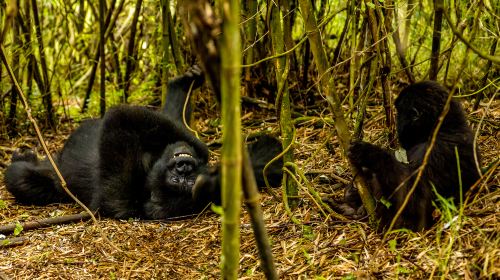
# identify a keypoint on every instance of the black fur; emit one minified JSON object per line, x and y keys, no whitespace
{"x":133,"y":162}
{"x":418,"y":107}
{"x":262,"y":151}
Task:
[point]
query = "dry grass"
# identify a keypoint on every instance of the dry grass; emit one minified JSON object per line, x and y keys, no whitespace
{"x":321,"y":248}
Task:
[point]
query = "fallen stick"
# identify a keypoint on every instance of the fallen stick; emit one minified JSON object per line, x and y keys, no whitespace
{"x":11,"y":242}
{"x":7,"y":229}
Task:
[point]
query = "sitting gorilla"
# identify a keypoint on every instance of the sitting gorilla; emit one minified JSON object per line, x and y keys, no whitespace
{"x":418,"y":108}
{"x":133,"y":162}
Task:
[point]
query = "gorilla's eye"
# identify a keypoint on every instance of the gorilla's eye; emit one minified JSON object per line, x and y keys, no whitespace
{"x":415,"y":114}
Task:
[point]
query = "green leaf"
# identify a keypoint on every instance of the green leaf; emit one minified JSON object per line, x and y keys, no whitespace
{"x":217,"y":209}
{"x":400,"y":155}
{"x":349,"y":277}
{"x":385,"y":202}
{"x":3,"y":205}
{"x":392,"y":245}
{"x":18,"y":229}
{"x":24,"y":216}
{"x":370,"y":5}
{"x":308,"y":232}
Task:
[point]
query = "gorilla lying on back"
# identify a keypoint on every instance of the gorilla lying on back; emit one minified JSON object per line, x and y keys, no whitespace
{"x":133,"y":162}
{"x":419,"y":106}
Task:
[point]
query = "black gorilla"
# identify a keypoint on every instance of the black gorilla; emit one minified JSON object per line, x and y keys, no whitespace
{"x":418,"y":108}
{"x":133,"y":162}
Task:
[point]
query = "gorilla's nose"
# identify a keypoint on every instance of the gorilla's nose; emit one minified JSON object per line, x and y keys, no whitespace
{"x":184,"y":167}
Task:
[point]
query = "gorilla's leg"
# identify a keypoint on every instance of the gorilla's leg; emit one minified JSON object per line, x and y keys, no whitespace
{"x":35,"y":182}
{"x":261,"y":152}
{"x":31,"y":181}
{"x":178,"y":89}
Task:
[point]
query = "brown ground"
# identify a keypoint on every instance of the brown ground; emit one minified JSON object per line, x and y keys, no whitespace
{"x":322,"y":248}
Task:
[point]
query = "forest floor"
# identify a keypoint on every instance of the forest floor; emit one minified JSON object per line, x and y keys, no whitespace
{"x":320,"y":248}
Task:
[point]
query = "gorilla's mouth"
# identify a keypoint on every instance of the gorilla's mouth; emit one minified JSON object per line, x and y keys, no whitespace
{"x":183,"y":155}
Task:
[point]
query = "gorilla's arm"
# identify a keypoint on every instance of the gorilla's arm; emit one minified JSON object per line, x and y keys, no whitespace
{"x":380,"y":165}
{"x":152,"y":130}
{"x":386,"y":178}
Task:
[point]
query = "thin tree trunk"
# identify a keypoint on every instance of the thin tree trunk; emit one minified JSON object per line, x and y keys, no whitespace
{"x":174,"y":45}
{"x":366,"y":87}
{"x":250,"y":8}
{"x":27,"y":50}
{"x":11,"y":118}
{"x":46,"y":94}
{"x":116,"y":61}
{"x":436,"y":39}
{"x":400,"y":47}
{"x":405,"y":38}
{"x":283,"y":97}
{"x":341,"y":40}
{"x":484,"y":80}
{"x":385,"y":67}
{"x":252,"y":201}
{"x":305,"y":62}
{"x":400,"y":51}
{"x":131,"y":57}
{"x":353,"y":63}
{"x":33,"y":65}
{"x":165,"y":12}
{"x":287,"y":16}
{"x":102,"y":30}
{"x":11,"y":12}
{"x":109,"y":26}
{"x":366,"y":82}
{"x":328,"y":86}
{"x":80,"y":16}
{"x":230,"y":47}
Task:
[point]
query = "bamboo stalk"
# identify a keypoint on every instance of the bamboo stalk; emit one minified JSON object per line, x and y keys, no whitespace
{"x":102,"y":30}
{"x":283,"y":100}
{"x":231,"y":136}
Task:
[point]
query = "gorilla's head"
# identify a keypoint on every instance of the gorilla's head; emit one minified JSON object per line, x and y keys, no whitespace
{"x":419,"y":107}
{"x":176,"y":170}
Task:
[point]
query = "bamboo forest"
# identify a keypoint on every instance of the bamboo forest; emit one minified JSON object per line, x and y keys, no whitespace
{"x":287,"y":139}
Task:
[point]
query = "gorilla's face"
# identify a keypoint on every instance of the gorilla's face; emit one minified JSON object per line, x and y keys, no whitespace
{"x":182,"y":166}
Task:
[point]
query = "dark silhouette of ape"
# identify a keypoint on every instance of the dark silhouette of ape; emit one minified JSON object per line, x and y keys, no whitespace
{"x":418,"y":108}
{"x":134,"y":162}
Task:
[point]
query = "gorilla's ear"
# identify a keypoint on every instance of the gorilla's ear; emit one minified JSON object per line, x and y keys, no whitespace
{"x":415,"y":114}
